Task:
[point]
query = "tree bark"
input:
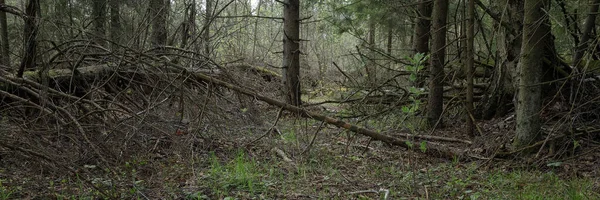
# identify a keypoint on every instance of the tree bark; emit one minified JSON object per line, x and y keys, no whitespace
{"x":5,"y":48}
{"x":30,"y":29}
{"x":371,"y":67}
{"x":159,"y":9}
{"x":590,"y":24}
{"x":509,"y":39}
{"x":422,"y":34}
{"x":99,"y":17}
{"x":291,"y":52}
{"x":529,"y":103}
{"x":189,"y":26}
{"x":470,"y":66}
{"x":206,"y":29}
{"x":435,"y":105}
{"x":115,"y":21}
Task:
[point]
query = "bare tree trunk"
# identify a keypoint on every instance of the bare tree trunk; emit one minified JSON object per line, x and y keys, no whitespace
{"x":509,"y":39}
{"x":291,"y":51}
{"x":206,"y":29}
{"x":256,"y":30}
{"x":159,"y":9}
{"x":590,"y":24}
{"x":99,"y":14}
{"x":29,"y":35}
{"x":371,"y":67}
{"x":390,"y":40}
{"x":470,"y":66}
{"x":189,"y":25}
{"x":5,"y":48}
{"x":535,"y":33}
{"x":115,"y":21}
{"x":435,"y":105}
{"x":422,"y":34}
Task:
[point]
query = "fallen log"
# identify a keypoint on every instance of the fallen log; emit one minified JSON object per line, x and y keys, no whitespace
{"x":434,"y":149}
{"x":431,"y":148}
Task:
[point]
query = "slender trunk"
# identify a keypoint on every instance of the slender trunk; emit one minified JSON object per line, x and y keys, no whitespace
{"x":509,"y":39}
{"x":590,"y":24}
{"x":291,"y":51}
{"x":421,"y":38}
{"x":535,"y":33}
{"x":115,"y":21}
{"x":436,"y":73}
{"x":206,"y":28}
{"x":390,"y":40}
{"x":99,"y":14}
{"x":371,"y":67}
{"x":29,"y":35}
{"x":470,"y":65}
{"x":5,"y":50}
{"x":159,"y":10}
{"x":256,"y":30}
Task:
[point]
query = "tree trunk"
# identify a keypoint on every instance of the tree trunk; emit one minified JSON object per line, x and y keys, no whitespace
{"x":435,"y":105}
{"x":291,"y":51}
{"x":509,"y":39}
{"x":29,"y":35}
{"x":115,"y":21}
{"x":371,"y":67}
{"x":159,"y":9}
{"x":206,"y":29}
{"x":255,"y":39}
{"x":590,"y":24}
{"x":421,"y":38}
{"x":470,"y":66}
{"x":535,"y":33}
{"x":99,"y":14}
{"x":5,"y":48}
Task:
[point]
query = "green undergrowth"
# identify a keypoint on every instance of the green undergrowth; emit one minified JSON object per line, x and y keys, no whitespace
{"x":328,"y":174}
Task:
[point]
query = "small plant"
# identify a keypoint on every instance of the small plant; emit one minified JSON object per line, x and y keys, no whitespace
{"x":410,"y":110}
{"x":239,"y":174}
{"x":5,"y":192}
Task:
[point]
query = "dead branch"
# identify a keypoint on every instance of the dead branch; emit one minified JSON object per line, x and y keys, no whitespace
{"x":432,"y":149}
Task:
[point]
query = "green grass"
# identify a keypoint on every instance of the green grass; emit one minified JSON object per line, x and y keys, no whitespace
{"x":5,"y":192}
{"x":466,"y":182}
{"x":239,"y":174}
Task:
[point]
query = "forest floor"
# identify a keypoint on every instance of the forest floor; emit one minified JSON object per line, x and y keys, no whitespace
{"x":296,"y":161}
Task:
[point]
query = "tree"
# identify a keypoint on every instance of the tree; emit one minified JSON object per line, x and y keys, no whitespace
{"x":206,"y":29}
{"x":115,"y":21}
{"x":189,"y":25}
{"x":470,"y":65}
{"x":371,"y":67}
{"x":291,"y":51}
{"x":509,"y":38}
{"x":99,"y":14}
{"x":590,"y":24}
{"x":159,"y":11}
{"x":30,"y":30}
{"x":529,"y":102}
{"x":436,"y":72}
{"x":4,"y":44}
{"x":422,"y":28}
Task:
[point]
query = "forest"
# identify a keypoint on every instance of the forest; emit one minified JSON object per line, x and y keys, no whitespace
{"x":299,"y":99}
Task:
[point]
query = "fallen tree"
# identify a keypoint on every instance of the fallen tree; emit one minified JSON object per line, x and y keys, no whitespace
{"x":431,"y":148}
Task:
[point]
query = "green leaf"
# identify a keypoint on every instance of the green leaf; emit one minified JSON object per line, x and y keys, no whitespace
{"x":423,"y":147}
{"x":412,"y":77}
{"x":405,"y":109}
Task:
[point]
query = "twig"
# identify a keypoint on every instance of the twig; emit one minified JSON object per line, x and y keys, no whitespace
{"x":431,"y":137}
{"x":269,"y":130}
{"x":313,"y":139}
